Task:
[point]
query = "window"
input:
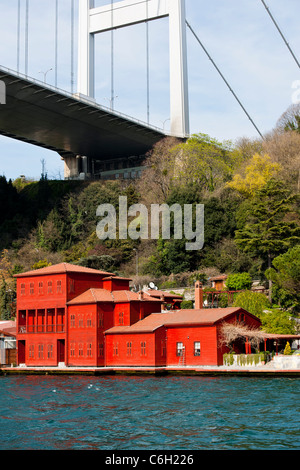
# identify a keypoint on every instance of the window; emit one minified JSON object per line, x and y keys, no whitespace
{"x":179,"y":349}
{"x":89,"y":321}
{"x":50,"y":351}
{"x":41,"y":288}
{"x":31,"y":288}
{"x":72,"y":322}
{"x":50,"y":290}
{"x":89,"y":350}
{"x":58,"y":287}
{"x":100,"y":320}
{"x":115,"y":349}
{"x":143,"y":348}
{"x":129,"y":350}
{"x":80,"y":349}
{"x":72,"y":350}
{"x":197,"y":348}
{"x":121,"y":318}
{"x":71,"y":286}
{"x":31,"y":351}
{"x":23,"y":290}
{"x":41,"y":351}
{"x":80,"y":321}
{"x":100,"y":350}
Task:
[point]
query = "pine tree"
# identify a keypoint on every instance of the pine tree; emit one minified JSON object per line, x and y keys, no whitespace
{"x":269,"y":223}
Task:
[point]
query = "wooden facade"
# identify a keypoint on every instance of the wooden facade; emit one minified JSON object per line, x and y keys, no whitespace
{"x":83,"y":317}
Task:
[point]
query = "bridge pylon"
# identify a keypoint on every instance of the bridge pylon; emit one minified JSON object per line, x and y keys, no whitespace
{"x":93,"y":21}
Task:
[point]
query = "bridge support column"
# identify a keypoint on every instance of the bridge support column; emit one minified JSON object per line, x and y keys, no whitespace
{"x":86,"y":51}
{"x":125,"y":13}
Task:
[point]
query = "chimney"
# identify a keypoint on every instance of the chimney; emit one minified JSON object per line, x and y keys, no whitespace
{"x":141,"y":295}
{"x":198,"y":295}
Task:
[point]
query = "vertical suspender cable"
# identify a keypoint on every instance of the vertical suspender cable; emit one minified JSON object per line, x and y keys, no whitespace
{"x":18,"y":35}
{"x":148,"y":62}
{"x":112,"y":56}
{"x":26,"y":37}
{"x":72,"y":46}
{"x":56,"y":40}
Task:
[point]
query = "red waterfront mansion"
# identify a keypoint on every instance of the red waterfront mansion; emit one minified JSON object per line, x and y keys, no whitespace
{"x":88,"y":318}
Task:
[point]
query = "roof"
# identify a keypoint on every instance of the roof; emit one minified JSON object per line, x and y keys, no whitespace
{"x":92,"y":296}
{"x":177,"y":317}
{"x":218,"y":278}
{"x":8,"y":328}
{"x":61,"y":269}
{"x":167,"y":295}
{"x":118,"y":278}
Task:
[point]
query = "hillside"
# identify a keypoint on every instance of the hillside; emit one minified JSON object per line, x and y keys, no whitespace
{"x":250,"y":193}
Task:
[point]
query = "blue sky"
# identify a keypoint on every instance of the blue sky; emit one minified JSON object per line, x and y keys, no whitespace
{"x":238,"y":34}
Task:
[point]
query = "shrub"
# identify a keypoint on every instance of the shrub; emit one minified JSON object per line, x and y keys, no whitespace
{"x":253,"y":302}
{"x":240,"y":281}
{"x":287,"y":349}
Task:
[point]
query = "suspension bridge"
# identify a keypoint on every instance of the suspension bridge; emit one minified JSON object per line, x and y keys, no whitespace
{"x":93,"y":140}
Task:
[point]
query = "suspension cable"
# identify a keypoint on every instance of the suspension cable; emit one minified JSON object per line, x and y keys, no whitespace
{"x":26,"y":37}
{"x":280,"y":32}
{"x":72,"y":46}
{"x":56,"y":40}
{"x":148,"y":62}
{"x":220,"y":73}
{"x":112,"y":96}
{"x":18,"y":35}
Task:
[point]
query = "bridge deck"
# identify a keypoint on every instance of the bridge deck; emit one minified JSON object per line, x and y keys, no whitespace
{"x":45,"y":116}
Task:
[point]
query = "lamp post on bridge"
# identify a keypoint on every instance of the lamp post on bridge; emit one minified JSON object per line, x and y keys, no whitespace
{"x":45,"y":74}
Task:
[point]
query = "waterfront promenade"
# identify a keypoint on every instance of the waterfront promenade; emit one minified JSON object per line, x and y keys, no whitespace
{"x":268,"y":370}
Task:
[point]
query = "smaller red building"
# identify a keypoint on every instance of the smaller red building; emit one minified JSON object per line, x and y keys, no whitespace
{"x":182,"y":337}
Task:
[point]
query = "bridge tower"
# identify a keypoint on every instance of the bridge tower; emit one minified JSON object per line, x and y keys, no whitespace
{"x":93,"y":21}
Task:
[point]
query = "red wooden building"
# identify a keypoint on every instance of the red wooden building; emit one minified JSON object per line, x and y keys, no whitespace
{"x":182,"y":337}
{"x":84,"y":317}
{"x":62,"y":312}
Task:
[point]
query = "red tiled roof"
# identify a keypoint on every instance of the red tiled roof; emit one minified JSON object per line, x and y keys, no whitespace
{"x":62,"y":268}
{"x":178,"y":317}
{"x":160,"y":293}
{"x":218,"y":278}
{"x":92,"y":296}
{"x":108,"y":278}
{"x":8,"y":328}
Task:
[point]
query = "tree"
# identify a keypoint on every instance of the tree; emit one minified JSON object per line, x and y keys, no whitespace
{"x":158,"y":177}
{"x":268,"y":223}
{"x":254,"y":302}
{"x":239,"y":281}
{"x":257,"y":173}
{"x":276,"y":321}
{"x":285,"y":275}
{"x":205,"y":162}
{"x":284,"y":149}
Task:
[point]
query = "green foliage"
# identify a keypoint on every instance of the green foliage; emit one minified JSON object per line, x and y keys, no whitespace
{"x":239,"y":281}
{"x":285,"y":275}
{"x":278,"y":321}
{"x":252,"y":302}
{"x":264,"y":227}
{"x":186,"y":304}
{"x":41,"y":264}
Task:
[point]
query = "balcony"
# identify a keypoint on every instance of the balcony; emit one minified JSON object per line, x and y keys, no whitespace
{"x":40,"y":329}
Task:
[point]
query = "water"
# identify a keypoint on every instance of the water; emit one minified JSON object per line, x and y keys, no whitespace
{"x":149,"y":413}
